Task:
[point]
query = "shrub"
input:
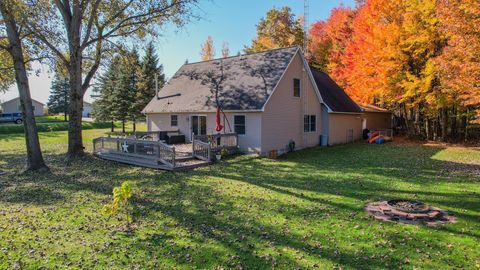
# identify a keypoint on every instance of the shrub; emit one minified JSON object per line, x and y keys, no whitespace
{"x":121,"y":199}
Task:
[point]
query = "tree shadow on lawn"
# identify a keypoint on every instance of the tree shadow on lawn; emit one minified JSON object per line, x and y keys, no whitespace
{"x":247,"y":206}
{"x":249,"y":242}
{"x":87,"y":174}
{"x":365,"y":179}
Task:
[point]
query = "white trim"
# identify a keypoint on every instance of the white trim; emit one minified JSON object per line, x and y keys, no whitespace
{"x":360,"y":113}
{"x":203,"y":112}
{"x":278,"y":82}
{"x":245,"y":124}
{"x":191,"y":122}
{"x":316,"y":124}
{"x":310,"y":75}
{"x":171,"y":120}
{"x":312,"y":80}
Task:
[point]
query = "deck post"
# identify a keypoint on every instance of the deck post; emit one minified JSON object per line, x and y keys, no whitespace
{"x":209,"y":152}
{"x":135,"y":147}
{"x":173,"y":157}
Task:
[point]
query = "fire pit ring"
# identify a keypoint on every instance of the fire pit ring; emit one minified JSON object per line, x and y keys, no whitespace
{"x":409,"y":206}
{"x":409,"y":212}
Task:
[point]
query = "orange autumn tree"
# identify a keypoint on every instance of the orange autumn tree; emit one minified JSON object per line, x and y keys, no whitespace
{"x":460,"y":60}
{"x":420,"y":59}
{"x":328,"y":41}
{"x":373,"y":60}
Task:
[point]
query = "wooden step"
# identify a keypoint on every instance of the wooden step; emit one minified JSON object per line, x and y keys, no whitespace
{"x":142,"y":162}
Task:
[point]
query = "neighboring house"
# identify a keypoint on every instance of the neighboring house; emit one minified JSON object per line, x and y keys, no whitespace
{"x":87,"y":109}
{"x":269,"y":99}
{"x":376,"y":118}
{"x":13,"y":106}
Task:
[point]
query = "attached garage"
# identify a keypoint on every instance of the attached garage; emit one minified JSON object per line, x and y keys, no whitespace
{"x":376,"y":118}
{"x":343,"y":120}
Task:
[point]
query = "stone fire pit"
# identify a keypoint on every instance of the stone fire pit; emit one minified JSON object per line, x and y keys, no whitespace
{"x":410,"y":212}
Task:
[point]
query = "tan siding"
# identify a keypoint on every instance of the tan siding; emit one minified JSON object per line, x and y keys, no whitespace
{"x":339,"y":124}
{"x":282,"y":119}
{"x":14,"y":104}
{"x":377,"y":120}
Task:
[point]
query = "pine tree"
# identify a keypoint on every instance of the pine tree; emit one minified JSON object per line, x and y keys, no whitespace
{"x":125,"y":90}
{"x":103,"y":107}
{"x":58,"y":99}
{"x":146,"y":80}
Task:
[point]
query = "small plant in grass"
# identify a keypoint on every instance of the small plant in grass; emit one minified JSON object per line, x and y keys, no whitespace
{"x":121,"y":201}
{"x":224,"y":152}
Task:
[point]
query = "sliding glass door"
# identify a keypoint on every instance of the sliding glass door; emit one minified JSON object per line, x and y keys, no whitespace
{"x":199,"y":125}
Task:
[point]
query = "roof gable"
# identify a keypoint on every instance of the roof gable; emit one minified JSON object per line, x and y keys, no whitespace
{"x":332,"y":95}
{"x":243,"y":82}
{"x":14,"y":99}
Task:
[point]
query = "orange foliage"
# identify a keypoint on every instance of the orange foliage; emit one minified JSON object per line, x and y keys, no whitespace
{"x":460,"y":60}
{"x":329,"y":40}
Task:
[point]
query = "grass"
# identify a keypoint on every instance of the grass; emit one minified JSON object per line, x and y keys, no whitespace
{"x":303,"y":211}
{"x":48,"y":126}
{"x":50,"y":118}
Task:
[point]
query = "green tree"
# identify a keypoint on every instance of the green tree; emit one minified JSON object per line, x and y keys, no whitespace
{"x":7,"y":73}
{"x":12,"y":41}
{"x":280,"y":28}
{"x":150,"y":68}
{"x":125,"y":88}
{"x":103,"y":106}
{"x":79,"y":33}
{"x":58,"y":99}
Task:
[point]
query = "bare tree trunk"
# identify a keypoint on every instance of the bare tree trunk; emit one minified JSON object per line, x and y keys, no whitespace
{"x":123,"y":126}
{"x":75,"y":144}
{"x":453,"y":124}
{"x":444,"y":123}
{"x":112,"y":129}
{"x":34,"y":153}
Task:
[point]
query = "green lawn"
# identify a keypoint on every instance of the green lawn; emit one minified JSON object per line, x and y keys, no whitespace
{"x":50,"y":118}
{"x":303,"y":211}
{"x":44,"y":125}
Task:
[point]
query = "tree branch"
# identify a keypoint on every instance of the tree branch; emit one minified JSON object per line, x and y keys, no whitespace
{"x":93,"y":16}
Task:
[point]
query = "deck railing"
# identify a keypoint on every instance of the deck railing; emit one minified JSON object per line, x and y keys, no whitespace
{"x":201,"y":150}
{"x":219,"y":141}
{"x":131,"y":148}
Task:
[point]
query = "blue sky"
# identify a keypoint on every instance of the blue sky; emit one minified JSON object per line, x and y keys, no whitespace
{"x":232,"y":21}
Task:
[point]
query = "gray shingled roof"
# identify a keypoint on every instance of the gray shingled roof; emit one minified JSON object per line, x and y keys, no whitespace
{"x":334,"y":96}
{"x":245,"y":82}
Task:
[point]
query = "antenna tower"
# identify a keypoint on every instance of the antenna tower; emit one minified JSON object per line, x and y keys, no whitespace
{"x":306,"y":14}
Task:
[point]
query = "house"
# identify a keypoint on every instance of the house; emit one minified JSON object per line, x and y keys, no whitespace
{"x":342,"y":117}
{"x":13,"y":106}
{"x":87,"y":109}
{"x":270,"y":99}
{"x":375,"y":117}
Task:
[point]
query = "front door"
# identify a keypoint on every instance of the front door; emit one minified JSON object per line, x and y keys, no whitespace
{"x":199,"y":125}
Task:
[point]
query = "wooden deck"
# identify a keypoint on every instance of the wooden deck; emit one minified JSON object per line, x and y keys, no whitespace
{"x":144,"y":153}
{"x":158,"y":155}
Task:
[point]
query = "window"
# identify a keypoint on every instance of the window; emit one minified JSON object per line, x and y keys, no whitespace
{"x":309,"y":123}
{"x":239,"y":124}
{"x":173,"y":120}
{"x":296,"y":87}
